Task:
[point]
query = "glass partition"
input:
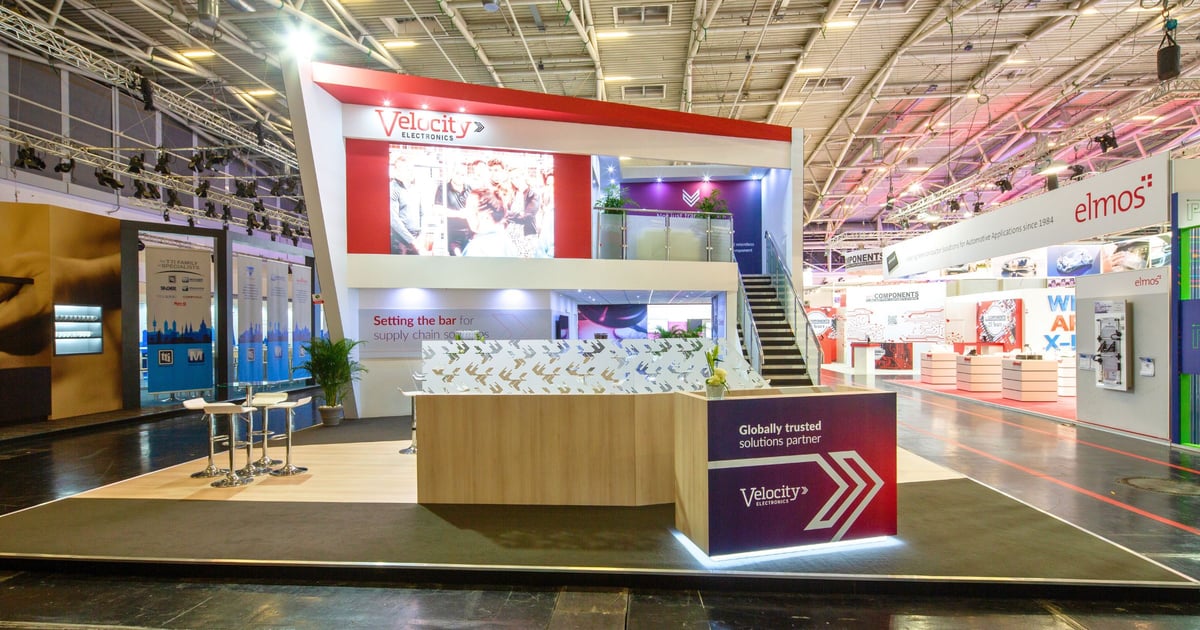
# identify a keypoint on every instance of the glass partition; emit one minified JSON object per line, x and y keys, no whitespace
{"x":663,"y":235}
{"x":793,"y":307}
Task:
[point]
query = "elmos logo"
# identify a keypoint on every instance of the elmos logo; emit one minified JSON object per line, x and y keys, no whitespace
{"x":1124,"y":201}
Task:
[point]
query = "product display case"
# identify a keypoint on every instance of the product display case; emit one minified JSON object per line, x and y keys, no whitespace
{"x":78,"y":329}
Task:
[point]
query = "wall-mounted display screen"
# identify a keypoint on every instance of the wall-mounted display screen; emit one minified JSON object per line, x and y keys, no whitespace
{"x":450,"y":201}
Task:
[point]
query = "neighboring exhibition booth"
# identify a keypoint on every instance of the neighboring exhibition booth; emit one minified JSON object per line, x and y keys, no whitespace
{"x":1077,"y":275}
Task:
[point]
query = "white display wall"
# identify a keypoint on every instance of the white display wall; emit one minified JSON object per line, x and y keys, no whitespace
{"x":1143,"y":409}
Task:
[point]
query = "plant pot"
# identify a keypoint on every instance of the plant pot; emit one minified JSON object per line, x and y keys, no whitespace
{"x":715,"y":392}
{"x":331,"y":416}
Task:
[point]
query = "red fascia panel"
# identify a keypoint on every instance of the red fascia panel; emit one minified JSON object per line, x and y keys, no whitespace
{"x":368,"y":228}
{"x":359,"y":86}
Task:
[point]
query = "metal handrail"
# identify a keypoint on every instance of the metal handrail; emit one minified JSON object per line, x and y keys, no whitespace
{"x":750,"y":339}
{"x":797,"y":317}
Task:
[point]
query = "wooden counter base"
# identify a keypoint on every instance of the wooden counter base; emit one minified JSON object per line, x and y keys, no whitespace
{"x":572,"y":449}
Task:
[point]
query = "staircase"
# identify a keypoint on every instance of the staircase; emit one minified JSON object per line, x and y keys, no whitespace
{"x":782,"y":363}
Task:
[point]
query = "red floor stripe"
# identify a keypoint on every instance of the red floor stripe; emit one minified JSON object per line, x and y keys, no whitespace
{"x":1040,"y":475}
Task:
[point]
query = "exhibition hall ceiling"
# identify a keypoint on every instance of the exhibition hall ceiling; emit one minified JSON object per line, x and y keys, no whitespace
{"x":912,"y":110}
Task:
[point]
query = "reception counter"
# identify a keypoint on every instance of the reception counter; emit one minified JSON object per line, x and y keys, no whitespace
{"x":546,"y":449}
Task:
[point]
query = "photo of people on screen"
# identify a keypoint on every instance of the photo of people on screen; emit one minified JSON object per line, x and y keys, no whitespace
{"x":447,"y":201}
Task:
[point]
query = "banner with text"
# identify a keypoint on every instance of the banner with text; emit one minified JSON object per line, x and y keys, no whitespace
{"x":178,"y":331}
{"x":1132,"y":196}
{"x":302,"y":307}
{"x":896,"y":312}
{"x":249,"y":319}
{"x":277,"y":320}
{"x":398,"y":333}
{"x":800,"y":470}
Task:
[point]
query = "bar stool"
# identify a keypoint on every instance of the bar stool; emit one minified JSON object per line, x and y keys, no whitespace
{"x":288,"y":469}
{"x":419,"y":383}
{"x":212,"y":470}
{"x":266,"y":402}
{"x":233,"y":478}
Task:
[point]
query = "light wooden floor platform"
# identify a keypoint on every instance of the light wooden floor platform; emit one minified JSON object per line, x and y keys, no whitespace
{"x":359,"y":472}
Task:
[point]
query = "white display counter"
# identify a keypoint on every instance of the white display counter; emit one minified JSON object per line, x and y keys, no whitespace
{"x":1066,"y":376}
{"x":979,"y":373}
{"x":1030,"y":380}
{"x":939,"y":368}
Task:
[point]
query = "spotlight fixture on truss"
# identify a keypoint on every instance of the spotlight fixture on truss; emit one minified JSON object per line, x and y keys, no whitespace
{"x":1077,"y":172}
{"x":977,"y":207}
{"x":197,"y":161}
{"x":1107,"y":141}
{"x":27,"y":157}
{"x":210,"y":209}
{"x":191,"y":221}
{"x":955,"y":205}
{"x":137,"y":162}
{"x":258,"y":133}
{"x":146,"y":87}
{"x":202,"y":189}
{"x":172,"y":198}
{"x":226,"y":215}
{"x":1004,"y":184}
{"x":65,"y":166}
{"x":162,"y":164}
{"x":107,"y":178}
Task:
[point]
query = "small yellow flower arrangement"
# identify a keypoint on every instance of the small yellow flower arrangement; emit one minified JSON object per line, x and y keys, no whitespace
{"x":716,"y":375}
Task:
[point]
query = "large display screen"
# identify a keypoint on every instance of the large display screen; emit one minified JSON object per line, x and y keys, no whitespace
{"x":450,"y":201}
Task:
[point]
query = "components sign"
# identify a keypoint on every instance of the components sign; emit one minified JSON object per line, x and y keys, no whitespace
{"x":794,"y":471}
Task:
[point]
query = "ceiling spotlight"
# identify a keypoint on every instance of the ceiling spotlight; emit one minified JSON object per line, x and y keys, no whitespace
{"x":210,"y":209}
{"x":147,"y":90}
{"x":196,"y":163}
{"x":1052,"y":182}
{"x":1106,"y":141}
{"x":161,"y":165}
{"x":955,"y":205}
{"x":202,"y":189}
{"x":137,"y":163}
{"x":106,"y":178}
{"x":258,"y":133}
{"x":541,"y":65}
{"x":1077,"y":171}
{"x":172,"y":198}
{"x":977,"y":207}
{"x":65,"y":166}
{"x":1004,"y":185}
{"x":491,"y":6}
{"x":28,"y":158}
{"x":191,"y":221}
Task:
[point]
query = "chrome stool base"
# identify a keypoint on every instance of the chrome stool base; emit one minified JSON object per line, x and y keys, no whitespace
{"x":232,"y":480}
{"x":409,"y":450}
{"x":265,"y":463}
{"x":289,"y":470}
{"x":210,"y":471}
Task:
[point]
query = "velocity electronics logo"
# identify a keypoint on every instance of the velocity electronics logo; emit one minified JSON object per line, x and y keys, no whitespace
{"x":691,"y":198}
{"x":419,"y":125}
{"x":759,"y":497}
{"x":1118,"y":203}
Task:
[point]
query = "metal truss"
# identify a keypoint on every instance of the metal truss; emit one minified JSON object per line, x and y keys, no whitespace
{"x":1165,"y":91}
{"x":40,"y":38}
{"x":83,"y":156}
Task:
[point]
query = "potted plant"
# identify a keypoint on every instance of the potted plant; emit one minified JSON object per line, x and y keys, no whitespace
{"x":331,"y":366}
{"x":715,"y":384}
{"x":615,"y":200}
{"x":713,"y":204}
